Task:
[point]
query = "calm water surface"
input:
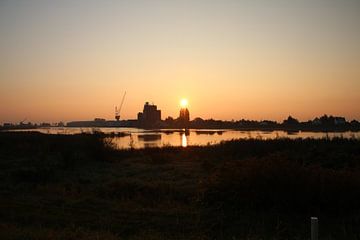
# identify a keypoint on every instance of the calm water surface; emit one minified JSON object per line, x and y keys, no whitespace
{"x":140,"y":138}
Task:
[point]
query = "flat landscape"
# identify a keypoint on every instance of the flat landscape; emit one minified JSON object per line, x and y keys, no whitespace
{"x":180,"y":120}
{"x":81,"y":187}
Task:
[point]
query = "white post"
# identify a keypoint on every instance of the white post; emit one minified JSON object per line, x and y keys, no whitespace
{"x":314,"y":228}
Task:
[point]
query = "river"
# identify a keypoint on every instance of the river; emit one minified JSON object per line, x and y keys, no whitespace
{"x":140,"y":138}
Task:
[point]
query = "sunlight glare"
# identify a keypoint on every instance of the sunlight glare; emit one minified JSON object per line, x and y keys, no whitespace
{"x":184,"y":103}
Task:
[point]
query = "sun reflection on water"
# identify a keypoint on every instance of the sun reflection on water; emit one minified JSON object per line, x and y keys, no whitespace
{"x":183,"y":140}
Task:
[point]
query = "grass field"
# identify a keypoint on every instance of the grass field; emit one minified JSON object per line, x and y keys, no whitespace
{"x":80,"y":187}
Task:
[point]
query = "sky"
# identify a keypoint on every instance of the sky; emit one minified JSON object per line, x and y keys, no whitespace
{"x":252,"y":59}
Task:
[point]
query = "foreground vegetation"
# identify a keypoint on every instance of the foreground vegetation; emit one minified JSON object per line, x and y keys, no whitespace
{"x":80,"y":187}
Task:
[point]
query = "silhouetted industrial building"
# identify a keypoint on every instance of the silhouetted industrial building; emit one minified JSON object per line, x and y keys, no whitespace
{"x":150,"y":116}
{"x":184,"y":117}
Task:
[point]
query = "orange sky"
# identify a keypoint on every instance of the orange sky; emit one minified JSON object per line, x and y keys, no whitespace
{"x":67,"y":60}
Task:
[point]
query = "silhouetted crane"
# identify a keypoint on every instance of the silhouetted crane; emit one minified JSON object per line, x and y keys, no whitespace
{"x":23,"y":121}
{"x":118,"y":109}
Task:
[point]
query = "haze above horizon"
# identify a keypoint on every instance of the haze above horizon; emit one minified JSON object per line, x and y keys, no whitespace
{"x":253,"y":59}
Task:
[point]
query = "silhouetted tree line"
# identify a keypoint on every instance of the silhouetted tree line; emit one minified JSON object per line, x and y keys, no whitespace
{"x":323,"y":123}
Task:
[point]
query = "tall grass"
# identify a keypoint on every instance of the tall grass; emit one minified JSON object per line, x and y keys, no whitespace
{"x":81,"y":187}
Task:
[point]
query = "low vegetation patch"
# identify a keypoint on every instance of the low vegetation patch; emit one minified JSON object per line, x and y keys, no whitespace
{"x":80,"y":187}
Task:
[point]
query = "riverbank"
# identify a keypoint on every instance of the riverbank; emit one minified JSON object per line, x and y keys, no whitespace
{"x":126,"y":138}
{"x":80,"y":187}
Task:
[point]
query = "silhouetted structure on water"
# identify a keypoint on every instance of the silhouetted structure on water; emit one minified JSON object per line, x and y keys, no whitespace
{"x":150,"y":116}
{"x":184,"y":118}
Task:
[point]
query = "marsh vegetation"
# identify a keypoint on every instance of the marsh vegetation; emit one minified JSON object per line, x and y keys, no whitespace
{"x":81,"y":187}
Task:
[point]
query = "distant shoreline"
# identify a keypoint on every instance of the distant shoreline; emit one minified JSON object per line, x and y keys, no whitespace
{"x":264,"y":129}
{"x":324,"y":123}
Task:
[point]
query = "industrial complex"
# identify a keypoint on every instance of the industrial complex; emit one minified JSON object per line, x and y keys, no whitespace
{"x":150,"y":117}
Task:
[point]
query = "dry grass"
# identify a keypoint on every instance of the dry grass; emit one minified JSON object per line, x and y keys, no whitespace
{"x":78,"y":187}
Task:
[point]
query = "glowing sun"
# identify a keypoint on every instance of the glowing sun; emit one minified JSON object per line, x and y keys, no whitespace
{"x":183,"y":103}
